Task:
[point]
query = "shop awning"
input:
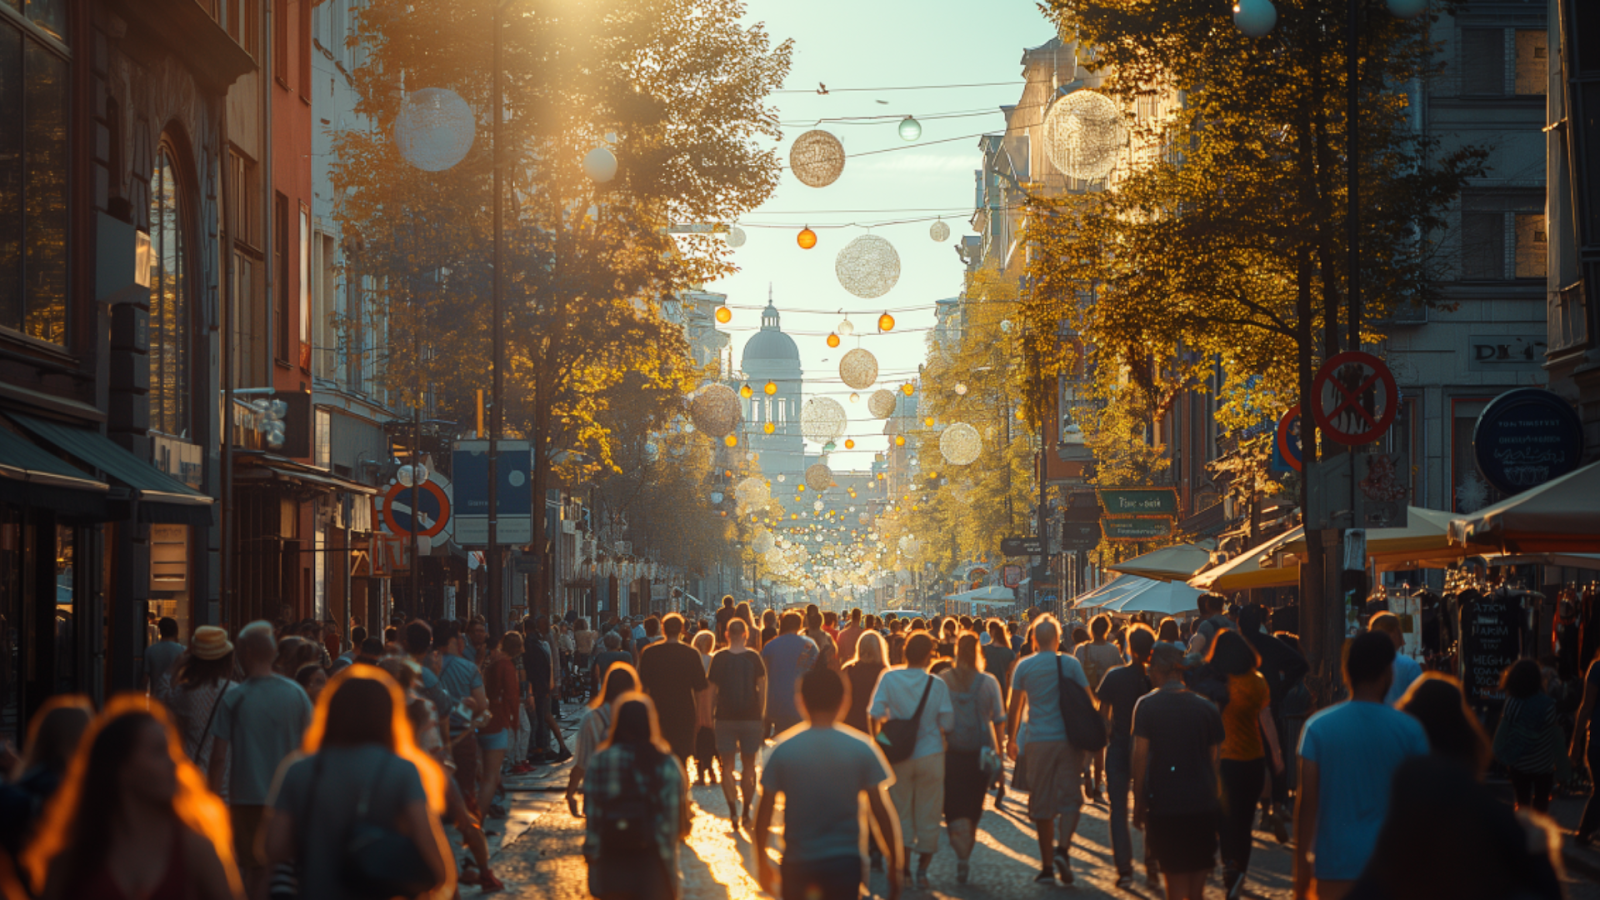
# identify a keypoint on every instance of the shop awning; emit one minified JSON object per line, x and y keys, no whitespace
{"x":160,"y":497}
{"x":1178,"y":562}
{"x":30,"y":476}
{"x":1561,"y":515}
{"x":1244,"y":571}
{"x":993,"y":593}
{"x":270,"y":467}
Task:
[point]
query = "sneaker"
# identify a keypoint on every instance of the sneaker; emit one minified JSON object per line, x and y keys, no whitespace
{"x":561,"y":757}
{"x":963,"y":869}
{"x":1125,"y":881}
{"x":1063,"y":865}
{"x":1045,"y":876}
{"x":489,"y":884}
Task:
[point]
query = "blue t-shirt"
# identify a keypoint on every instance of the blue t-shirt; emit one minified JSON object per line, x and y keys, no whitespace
{"x":1036,"y":676}
{"x":1357,"y":747}
{"x":821,"y":773}
{"x":1406,"y":670}
{"x":458,"y":677}
{"x":788,"y":657}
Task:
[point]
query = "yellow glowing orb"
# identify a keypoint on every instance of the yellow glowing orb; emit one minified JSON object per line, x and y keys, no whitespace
{"x":899,"y":440}
{"x":724,"y":315}
{"x":769,"y":428}
{"x":806,"y":239}
{"x":744,"y":391}
{"x":886,"y":322}
{"x":849,"y":444}
{"x":833,"y":339}
{"x":731,"y":440}
{"x":771,"y":388}
{"x":908,"y":389}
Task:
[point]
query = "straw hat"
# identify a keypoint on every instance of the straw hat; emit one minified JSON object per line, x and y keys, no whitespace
{"x":210,"y":642}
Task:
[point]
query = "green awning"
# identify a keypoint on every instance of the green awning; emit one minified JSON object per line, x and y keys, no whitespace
{"x":30,"y":476}
{"x":160,"y":497}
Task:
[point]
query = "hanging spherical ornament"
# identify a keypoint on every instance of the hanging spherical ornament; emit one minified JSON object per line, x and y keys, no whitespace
{"x":899,"y":440}
{"x":817,"y":506}
{"x":768,"y":427}
{"x":927,"y":422}
{"x":908,"y":389}
{"x":818,"y":478}
{"x":600,"y":164}
{"x":799,"y":489}
{"x":1254,"y":18}
{"x":782,"y":478}
{"x":771,"y":388}
{"x":859,"y":368}
{"x":846,"y":328}
{"x":822,"y":419}
{"x":961,"y":389}
{"x":960,"y":444}
{"x":849,"y":444}
{"x":867,"y":267}
{"x":731,"y":440}
{"x":715,"y":411}
{"x":752,"y":492}
{"x":939,"y":231}
{"x":816,"y":158}
{"x":736,"y":237}
{"x":716,"y":497}
{"x":434,"y":129}
{"x":1084,"y":134}
{"x":745,"y":391}
{"x":807,"y":238}
{"x":881,"y":404}
{"x":855,"y":397}
{"x":724,"y":315}
{"x":828,"y":447}
{"x":910,"y":129}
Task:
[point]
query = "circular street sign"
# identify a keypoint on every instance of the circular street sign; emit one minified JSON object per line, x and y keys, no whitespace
{"x":1526,"y":437}
{"x":1354,"y":398}
{"x":397,"y":512}
{"x":1289,"y":438}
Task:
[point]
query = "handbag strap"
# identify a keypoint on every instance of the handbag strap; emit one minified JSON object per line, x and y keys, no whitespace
{"x":917,"y":716}
{"x":206,"y":732}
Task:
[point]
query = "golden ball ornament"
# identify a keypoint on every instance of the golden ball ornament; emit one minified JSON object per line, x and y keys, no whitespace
{"x":771,"y":388}
{"x":716,"y":411}
{"x":806,"y":239}
{"x":859,"y":368}
{"x":816,"y":158}
{"x":833,"y":339}
{"x":886,"y":322}
{"x":724,"y":315}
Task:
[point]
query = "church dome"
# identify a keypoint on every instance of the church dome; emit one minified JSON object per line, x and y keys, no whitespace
{"x":770,"y":344}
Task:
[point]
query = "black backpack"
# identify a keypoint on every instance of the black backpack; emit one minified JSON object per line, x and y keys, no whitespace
{"x":1086,"y":728}
{"x":898,"y":737}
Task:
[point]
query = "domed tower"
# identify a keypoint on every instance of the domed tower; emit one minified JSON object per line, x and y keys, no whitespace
{"x":771,"y":356}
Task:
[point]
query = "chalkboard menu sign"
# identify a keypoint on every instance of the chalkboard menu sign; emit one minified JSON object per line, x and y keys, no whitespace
{"x":1491,"y":639}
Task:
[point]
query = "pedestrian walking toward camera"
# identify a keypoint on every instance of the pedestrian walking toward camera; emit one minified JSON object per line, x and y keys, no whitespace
{"x":1528,"y":740}
{"x":1177,"y":738}
{"x":1119,"y":692}
{"x":1348,"y":756}
{"x":972,"y":757}
{"x":1245,"y":718}
{"x":912,"y":709}
{"x":1053,"y":764}
{"x":636,"y":803}
{"x":738,"y":680}
{"x":823,"y":773}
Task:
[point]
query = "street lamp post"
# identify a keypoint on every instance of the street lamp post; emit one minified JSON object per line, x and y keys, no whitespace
{"x":496,"y":337}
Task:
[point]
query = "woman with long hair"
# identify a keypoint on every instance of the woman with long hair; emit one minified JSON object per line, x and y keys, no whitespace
{"x":359,"y":766}
{"x":861,"y":675}
{"x":636,"y":800}
{"x":705,"y":735}
{"x":1528,"y":738}
{"x":1438,"y":703}
{"x":204,"y":675}
{"x":133,"y":818}
{"x":595,"y":725}
{"x":975,"y":696}
{"x":1245,"y":718}
{"x":53,"y":737}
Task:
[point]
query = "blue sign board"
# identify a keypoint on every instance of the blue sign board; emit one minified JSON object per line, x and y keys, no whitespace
{"x":1526,"y":437}
{"x":470,"y":480}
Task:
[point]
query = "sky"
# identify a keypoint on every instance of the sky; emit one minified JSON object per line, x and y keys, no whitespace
{"x":876,"y":44}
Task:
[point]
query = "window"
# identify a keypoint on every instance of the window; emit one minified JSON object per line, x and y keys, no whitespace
{"x":1502,"y":236}
{"x":1469,"y":492}
{"x":280,"y":274}
{"x":1532,"y":243}
{"x":1533,"y":61}
{"x":1482,"y":61}
{"x":171,"y":326}
{"x":240,"y":18}
{"x":355,"y":334}
{"x":1483,"y":246}
{"x":33,"y":173}
{"x":244,"y":193}
{"x":305,"y":289}
{"x":327,"y":308}
{"x":249,"y":328}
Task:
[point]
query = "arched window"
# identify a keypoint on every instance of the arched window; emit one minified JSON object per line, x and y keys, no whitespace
{"x":171,"y":319}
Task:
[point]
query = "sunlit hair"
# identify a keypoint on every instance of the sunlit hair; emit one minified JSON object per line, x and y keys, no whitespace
{"x":967,"y":655}
{"x":870,"y":649}
{"x":400,"y":739}
{"x":75,"y":832}
{"x":702,"y":641}
{"x":634,"y":724}
{"x":54,"y":733}
{"x":620,"y":678}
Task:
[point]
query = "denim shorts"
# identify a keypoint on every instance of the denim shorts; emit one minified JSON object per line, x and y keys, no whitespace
{"x":500,"y":740}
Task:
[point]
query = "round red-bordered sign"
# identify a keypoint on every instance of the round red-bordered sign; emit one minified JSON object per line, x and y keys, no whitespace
{"x":400,"y":493}
{"x":1289,"y":445}
{"x":1354,"y":398}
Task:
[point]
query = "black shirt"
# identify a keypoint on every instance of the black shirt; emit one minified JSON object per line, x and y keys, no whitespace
{"x":1121,"y":689}
{"x":997,"y":660}
{"x":1182,"y":728}
{"x":735,"y":675}
{"x":670,"y":672}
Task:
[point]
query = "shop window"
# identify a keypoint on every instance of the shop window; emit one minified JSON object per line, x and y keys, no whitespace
{"x":1533,"y":61}
{"x":171,"y":306}
{"x":1532,"y":245}
{"x":33,"y":173}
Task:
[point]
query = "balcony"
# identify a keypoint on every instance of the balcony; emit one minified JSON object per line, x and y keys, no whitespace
{"x":1568,"y":322}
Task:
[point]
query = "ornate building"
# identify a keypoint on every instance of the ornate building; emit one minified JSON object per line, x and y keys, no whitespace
{"x":771,"y":356}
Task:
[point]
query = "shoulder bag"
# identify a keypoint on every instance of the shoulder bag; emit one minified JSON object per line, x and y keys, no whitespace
{"x":1086,"y":728}
{"x":898,"y":737}
{"x":380,"y":862}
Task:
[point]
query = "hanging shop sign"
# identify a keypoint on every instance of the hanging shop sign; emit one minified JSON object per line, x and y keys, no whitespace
{"x":1354,"y":398}
{"x":1078,"y":535}
{"x":470,"y":471}
{"x":1022,"y":546}
{"x":1137,"y":528}
{"x":1139,"y":501}
{"x":1526,"y":437}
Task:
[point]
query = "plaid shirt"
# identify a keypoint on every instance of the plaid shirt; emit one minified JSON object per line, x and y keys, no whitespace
{"x":603,"y":780}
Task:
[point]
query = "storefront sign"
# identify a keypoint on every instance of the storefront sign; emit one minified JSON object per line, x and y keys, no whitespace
{"x":1137,"y":528}
{"x":1525,"y":438}
{"x":1500,"y":352}
{"x":1139,"y":501}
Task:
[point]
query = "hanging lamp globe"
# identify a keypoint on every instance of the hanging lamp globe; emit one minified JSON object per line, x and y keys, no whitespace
{"x":833,"y":339}
{"x":769,"y":428}
{"x":846,"y":328}
{"x":600,"y":164}
{"x":771,"y":388}
{"x":908,"y":389}
{"x":807,"y":238}
{"x":724,"y":315}
{"x":850,"y":444}
{"x":939,"y":231}
{"x":910,"y":129}
{"x":745,"y":391}
{"x":899,"y":440}
{"x":886,"y":322}
{"x":731,"y":440}
{"x":1254,"y":18}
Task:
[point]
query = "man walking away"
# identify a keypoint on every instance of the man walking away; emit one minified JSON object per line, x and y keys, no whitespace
{"x":1406,"y":669}
{"x":1098,"y":657}
{"x":671,"y":673}
{"x":1053,"y":765}
{"x":160,"y":656}
{"x":738,"y":688}
{"x":1177,"y":740}
{"x":918,"y":790}
{"x":1119,"y":691}
{"x":788,"y":657}
{"x":998,"y":656}
{"x":463,"y":685}
{"x":827,"y":651}
{"x":724,"y":616}
{"x":848,"y":637}
{"x":259,"y":722}
{"x":1348,"y":755}
{"x":822,"y":772}
{"x":1283,"y":669}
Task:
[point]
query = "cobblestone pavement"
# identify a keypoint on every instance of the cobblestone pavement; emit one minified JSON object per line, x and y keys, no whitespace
{"x":546,"y":860}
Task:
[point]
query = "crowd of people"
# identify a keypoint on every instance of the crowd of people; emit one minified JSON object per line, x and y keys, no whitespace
{"x":283,"y":762}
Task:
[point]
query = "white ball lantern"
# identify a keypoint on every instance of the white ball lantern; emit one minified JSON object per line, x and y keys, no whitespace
{"x":1084,"y":134}
{"x":600,"y":164}
{"x":434,"y":129}
{"x":939,"y":231}
{"x":822,"y":419}
{"x":859,"y":369}
{"x":960,"y":444}
{"x":868,"y":267}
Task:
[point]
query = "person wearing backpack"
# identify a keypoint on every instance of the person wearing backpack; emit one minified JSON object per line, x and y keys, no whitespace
{"x":636,"y":808}
{"x":738,"y":690}
{"x":912,"y":709}
{"x":1053,"y":763}
{"x":972,"y":758}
